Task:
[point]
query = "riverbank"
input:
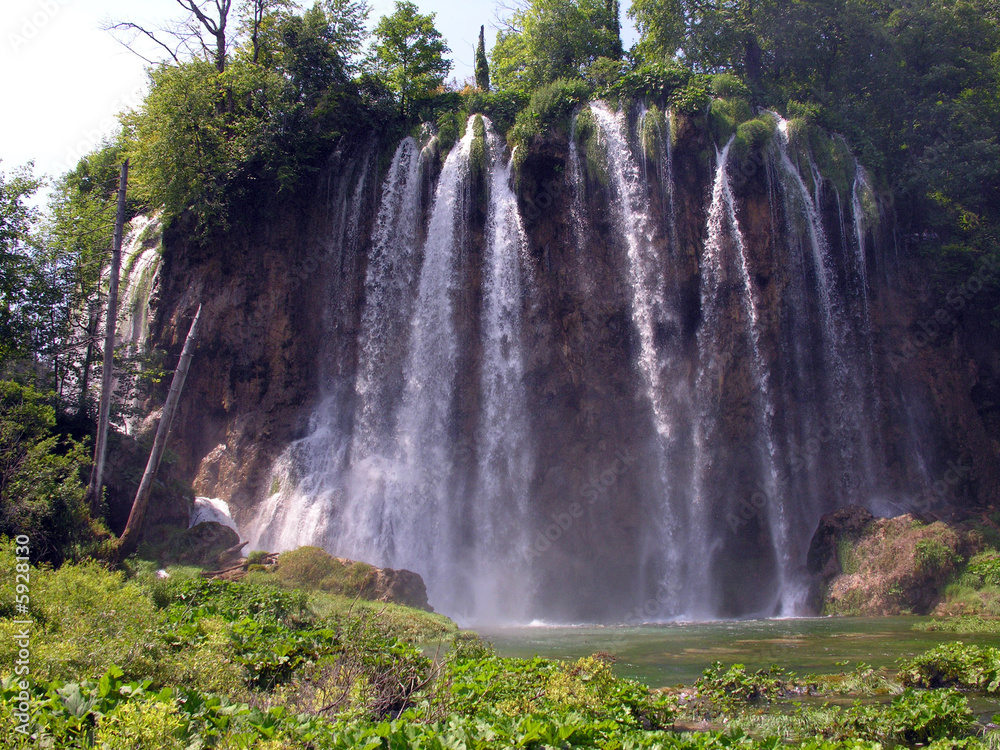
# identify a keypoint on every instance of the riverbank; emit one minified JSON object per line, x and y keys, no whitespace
{"x":142,"y":658}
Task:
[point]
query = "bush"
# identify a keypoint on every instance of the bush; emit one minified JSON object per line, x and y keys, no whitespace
{"x":694,"y":98}
{"x":954,"y":665}
{"x":500,"y":106}
{"x":728,"y":85}
{"x":754,"y":135}
{"x":725,"y":115}
{"x":87,"y":618}
{"x":41,"y":492}
{"x":548,"y":110}
{"x":982,"y":570}
{"x":656,"y":80}
{"x":312,"y":568}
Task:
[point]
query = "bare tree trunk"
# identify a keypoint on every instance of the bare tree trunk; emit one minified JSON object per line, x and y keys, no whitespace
{"x":104,"y":413}
{"x":88,"y":359}
{"x":130,"y":537}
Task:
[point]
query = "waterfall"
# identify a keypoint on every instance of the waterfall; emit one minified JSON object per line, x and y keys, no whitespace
{"x":723,"y":219}
{"x":139,"y":270}
{"x":846,"y":385}
{"x":305,"y":489}
{"x":390,"y":277}
{"x":651,"y":315}
{"x":439,"y":443}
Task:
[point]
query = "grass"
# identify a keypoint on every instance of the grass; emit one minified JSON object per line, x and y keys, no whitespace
{"x":128,"y":659}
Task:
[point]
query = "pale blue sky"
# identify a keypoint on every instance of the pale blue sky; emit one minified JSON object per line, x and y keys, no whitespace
{"x":65,"y":79}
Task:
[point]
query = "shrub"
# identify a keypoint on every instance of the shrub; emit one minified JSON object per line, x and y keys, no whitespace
{"x":754,"y":135}
{"x":548,"y":110}
{"x":694,"y":98}
{"x":982,"y":570}
{"x":88,"y":618}
{"x":605,"y":73}
{"x":725,"y":115}
{"x":728,"y":85}
{"x":41,"y":492}
{"x":312,"y":568}
{"x":656,"y":80}
{"x":146,"y":725}
{"x":954,"y":665}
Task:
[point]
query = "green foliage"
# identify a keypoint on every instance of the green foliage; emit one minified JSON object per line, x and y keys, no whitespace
{"x":727,"y":85}
{"x":87,"y":618}
{"x":727,"y":687}
{"x":212,"y":141}
{"x":922,"y":716}
{"x":982,"y":570}
{"x":960,"y":624}
{"x":409,"y":54}
{"x":846,"y":556}
{"x":41,"y":492}
{"x":656,"y":80}
{"x":605,"y":75}
{"x":753,"y":135}
{"x":549,"y":110}
{"x":482,"y":64}
{"x":501,"y":107}
{"x":192,"y":599}
{"x":312,"y":568}
{"x":16,"y":221}
{"x":725,"y":115}
{"x":694,"y":98}
{"x":954,"y":665}
{"x":487,"y":685}
{"x":552,"y":39}
{"x":932,"y":554}
{"x":256,"y":557}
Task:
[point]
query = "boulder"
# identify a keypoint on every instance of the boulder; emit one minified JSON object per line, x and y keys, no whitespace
{"x":846,"y":523}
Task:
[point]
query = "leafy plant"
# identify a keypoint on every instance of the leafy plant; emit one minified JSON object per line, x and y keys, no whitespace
{"x":954,"y":665}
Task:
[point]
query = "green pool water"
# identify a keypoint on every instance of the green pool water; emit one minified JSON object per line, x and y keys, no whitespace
{"x":676,"y":653}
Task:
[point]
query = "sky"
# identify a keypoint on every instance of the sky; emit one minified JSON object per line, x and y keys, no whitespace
{"x":65,"y":78}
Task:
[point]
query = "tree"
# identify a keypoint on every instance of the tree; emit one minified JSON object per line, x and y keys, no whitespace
{"x":550,"y":39}
{"x":187,"y":38}
{"x":409,"y":54}
{"x":17,"y":218}
{"x":482,"y":66}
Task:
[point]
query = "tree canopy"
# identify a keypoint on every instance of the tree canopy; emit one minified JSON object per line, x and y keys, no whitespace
{"x":409,"y":54}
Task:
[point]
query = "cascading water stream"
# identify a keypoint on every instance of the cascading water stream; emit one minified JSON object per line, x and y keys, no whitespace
{"x":423,"y":452}
{"x":650,"y":312}
{"x":389,"y":280}
{"x":305,"y":489}
{"x":399,"y":508}
{"x":847,"y":389}
{"x":722,"y":214}
{"x":505,"y":461}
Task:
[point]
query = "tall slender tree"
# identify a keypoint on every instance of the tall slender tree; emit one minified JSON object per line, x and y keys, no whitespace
{"x":482,"y":66}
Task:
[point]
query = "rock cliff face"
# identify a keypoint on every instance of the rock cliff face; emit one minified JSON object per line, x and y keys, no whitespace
{"x":639,"y":382}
